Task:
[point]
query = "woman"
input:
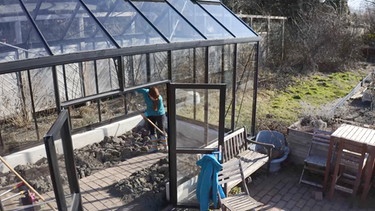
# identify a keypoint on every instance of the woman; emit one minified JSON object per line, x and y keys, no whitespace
{"x":155,"y":112}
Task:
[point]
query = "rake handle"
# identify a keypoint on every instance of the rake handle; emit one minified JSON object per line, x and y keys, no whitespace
{"x":153,"y":124}
{"x":24,"y":181}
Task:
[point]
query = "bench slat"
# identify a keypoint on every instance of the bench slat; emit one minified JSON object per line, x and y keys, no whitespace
{"x":236,"y":146}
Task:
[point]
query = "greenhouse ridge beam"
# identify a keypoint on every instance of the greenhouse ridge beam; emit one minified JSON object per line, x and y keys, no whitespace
{"x":48,"y":61}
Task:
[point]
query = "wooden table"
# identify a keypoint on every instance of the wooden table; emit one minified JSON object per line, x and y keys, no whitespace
{"x":357,"y":134}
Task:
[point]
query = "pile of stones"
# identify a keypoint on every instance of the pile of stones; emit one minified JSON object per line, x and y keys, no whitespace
{"x":146,"y":189}
{"x":107,"y":153}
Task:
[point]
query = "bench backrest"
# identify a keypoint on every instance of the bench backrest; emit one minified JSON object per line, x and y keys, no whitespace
{"x":234,"y":143}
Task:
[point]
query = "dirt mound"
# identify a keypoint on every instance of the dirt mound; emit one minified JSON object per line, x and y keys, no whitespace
{"x":88,"y":160}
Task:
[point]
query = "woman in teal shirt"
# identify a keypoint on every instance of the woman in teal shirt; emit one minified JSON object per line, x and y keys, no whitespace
{"x":155,"y":112}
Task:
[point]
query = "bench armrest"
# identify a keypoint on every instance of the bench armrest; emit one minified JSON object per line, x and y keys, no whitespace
{"x":267,"y":145}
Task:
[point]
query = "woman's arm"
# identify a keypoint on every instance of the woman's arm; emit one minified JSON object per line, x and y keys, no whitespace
{"x":142,"y":91}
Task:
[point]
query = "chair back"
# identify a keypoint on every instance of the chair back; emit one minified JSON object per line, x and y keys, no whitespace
{"x":320,"y":143}
{"x":352,"y":154}
{"x":232,"y":171}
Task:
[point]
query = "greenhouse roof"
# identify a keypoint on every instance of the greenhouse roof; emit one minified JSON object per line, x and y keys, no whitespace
{"x":42,"y":28}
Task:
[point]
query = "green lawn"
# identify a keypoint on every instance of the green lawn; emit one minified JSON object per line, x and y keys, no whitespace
{"x":311,"y":95}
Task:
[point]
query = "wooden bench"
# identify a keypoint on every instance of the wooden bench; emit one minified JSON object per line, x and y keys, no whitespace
{"x":238,"y":145}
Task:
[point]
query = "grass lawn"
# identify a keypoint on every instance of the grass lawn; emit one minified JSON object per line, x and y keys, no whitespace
{"x":309,"y":95}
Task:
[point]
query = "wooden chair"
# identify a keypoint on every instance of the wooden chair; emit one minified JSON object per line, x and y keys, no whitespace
{"x":236,"y":202}
{"x":366,"y":189}
{"x":316,"y":160}
{"x":349,"y":165}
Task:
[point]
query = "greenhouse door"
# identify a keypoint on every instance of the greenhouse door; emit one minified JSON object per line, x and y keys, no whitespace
{"x":195,"y":120}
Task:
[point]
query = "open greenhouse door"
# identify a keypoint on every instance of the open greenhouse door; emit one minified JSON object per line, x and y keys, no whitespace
{"x":195,"y":120}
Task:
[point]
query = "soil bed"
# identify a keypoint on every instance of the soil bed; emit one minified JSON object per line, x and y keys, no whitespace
{"x":148,"y":183}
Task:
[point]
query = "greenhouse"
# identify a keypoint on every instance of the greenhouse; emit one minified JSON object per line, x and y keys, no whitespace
{"x":86,"y":59}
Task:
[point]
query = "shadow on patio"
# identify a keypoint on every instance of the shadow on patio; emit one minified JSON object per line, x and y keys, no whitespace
{"x":282,"y":191}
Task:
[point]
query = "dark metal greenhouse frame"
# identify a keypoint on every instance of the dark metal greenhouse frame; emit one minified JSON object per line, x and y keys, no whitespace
{"x":118,"y":53}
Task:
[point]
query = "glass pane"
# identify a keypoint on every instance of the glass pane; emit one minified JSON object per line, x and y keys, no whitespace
{"x":200,"y":60}
{"x":139,"y":70}
{"x":182,"y":66}
{"x":112,"y":107}
{"x":244,"y":81}
{"x":107,"y":75}
{"x":60,"y":71}
{"x":159,"y":66}
{"x":228,"y":80}
{"x":129,"y":79}
{"x":17,"y":128}
{"x":84,"y":115}
{"x":187,"y":178}
{"x":42,"y":89}
{"x":18,"y":39}
{"x":90,"y":77}
{"x":124,"y":23}
{"x":168,"y":21}
{"x":200,"y":19}
{"x":215,"y":63}
{"x":70,"y":81}
{"x":232,"y":23}
{"x":198,"y":111}
{"x":188,"y":66}
{"x":67,"y":26}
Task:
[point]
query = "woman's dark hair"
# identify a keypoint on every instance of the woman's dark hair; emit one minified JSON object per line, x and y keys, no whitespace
{"x":154,"y":94}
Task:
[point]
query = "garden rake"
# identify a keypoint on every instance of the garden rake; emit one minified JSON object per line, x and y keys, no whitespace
{"x":147,"y":119}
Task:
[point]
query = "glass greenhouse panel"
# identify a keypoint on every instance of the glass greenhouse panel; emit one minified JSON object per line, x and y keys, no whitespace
{"x":208,"y":26}
{"x":18,"y":39}
{"x":139,"y":69}
{"x":159,"y":66}
{"x":129,"y":76}
{"x":215,"y":63}
{"x":168,"y":21}
{"x":229,"y":21}
{"x":229,"y":58}
{"x":124,"y":23}
{"x":65,"y":23}
{"x":41,"y":88}
{"x":112,"y":107}
{"x":246,"y":67}
{"x":70,"y":81}
{"x":187,"y":178}
{"x":200,"y":109}
{"x":200,"y":62}
{"x":188,"y":65}
{"x":107,"y":75}
{"x":183,"y":66}
{"x":99,"y":76}
{"x":84,"y":115}
{"x":10,"y":94}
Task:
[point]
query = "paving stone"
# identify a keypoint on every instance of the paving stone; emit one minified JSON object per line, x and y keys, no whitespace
{"x":280,"y":191}
{"x":276,"y":198}
{"x":290,"y":204}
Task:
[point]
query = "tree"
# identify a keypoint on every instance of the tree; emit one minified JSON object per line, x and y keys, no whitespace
{"x":318,"y":35}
